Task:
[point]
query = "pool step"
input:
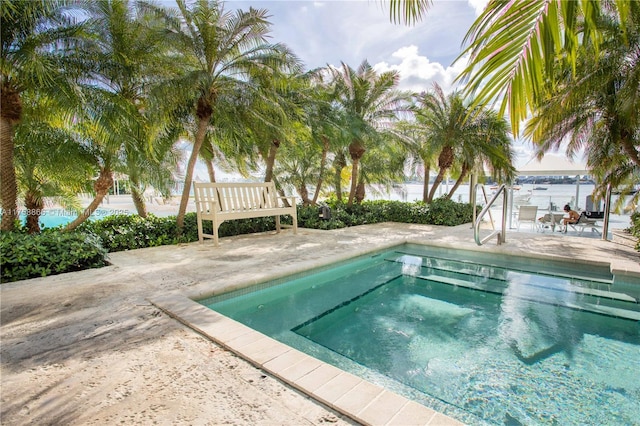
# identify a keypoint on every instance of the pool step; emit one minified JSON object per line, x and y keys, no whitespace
{"x":492,"y":282}
{"x":546,"y":298}
{"x":499,"y":272}
{"x":502,"y":269}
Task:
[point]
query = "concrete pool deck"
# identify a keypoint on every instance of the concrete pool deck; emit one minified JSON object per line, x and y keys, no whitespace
{"x":90,"y":347}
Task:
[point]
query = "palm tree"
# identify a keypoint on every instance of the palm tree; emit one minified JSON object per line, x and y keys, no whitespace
{"x":223,"y":52}
{"x":514,"y":45}
{"x":460,"y":135}
{"x":595,"y":108}
{"x":129,"y":59}
{"x":369,"y":102}
{"x":382,"y":164}
{"x":35,"y":36}
{"x":100,"y":127}
{"x":49,"y":162}
{"x":487,"y":145}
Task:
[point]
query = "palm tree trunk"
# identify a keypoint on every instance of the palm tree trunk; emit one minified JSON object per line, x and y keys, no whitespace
{"x":354,"y":181}
{"x":323,"y":165}
{"x":304,"y":194}
{"x":203,"y":124}
{"x":339,"y":164}
{"x":356,"y":150}
{"x":138,"y":201}
{"x":425,"y":186}
{"x":463,"y":175}
{"x":211,"y":171}
{"x":360,"y":192}
{"x":34,"y":206}
{"x":445,"y":160}
{"x":436,"y":183}
{"x":101,"y":186}
{"x":8,"y":184}
{"x":271,"y":160}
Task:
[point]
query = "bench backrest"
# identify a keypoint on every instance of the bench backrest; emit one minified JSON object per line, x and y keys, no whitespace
{"x":235,"y":196}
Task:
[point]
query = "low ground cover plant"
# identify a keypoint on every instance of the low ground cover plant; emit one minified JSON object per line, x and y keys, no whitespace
{"x":54,"y":251}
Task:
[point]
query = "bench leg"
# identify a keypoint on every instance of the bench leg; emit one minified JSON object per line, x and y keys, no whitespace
{"x":200,"y":232}
{"x":215,"y":233}
{"x":295,"y":224}
{"x":278,"y":224}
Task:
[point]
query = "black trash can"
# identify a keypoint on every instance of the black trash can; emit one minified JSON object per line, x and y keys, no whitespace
{"x":324,"y":212}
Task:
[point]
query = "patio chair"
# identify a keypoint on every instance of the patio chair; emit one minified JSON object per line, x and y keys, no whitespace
{"x":528,"y":214}
{"x":585,"y":222}
{"x":550,"y":220}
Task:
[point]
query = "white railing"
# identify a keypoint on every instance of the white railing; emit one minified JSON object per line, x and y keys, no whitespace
{"x":478,"y":221}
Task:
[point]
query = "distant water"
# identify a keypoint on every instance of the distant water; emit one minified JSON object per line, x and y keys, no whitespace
{"x":559,"y":195}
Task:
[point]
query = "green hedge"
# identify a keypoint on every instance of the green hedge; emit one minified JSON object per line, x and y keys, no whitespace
{"x":439,"y":212}
{"x":54,"y":251}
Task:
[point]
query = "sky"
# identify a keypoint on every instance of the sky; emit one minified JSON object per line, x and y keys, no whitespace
{"x":328,"y":32}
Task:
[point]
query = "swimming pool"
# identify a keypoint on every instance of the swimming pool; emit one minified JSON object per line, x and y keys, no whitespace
{"x":487,"y":339}
{"x":51,"y":218}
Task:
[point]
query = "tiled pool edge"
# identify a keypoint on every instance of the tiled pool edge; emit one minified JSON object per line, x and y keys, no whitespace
{"x":363,"y":402}
{"x":350,"y":395}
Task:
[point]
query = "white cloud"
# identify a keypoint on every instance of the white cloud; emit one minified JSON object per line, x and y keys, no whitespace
{"x":418,"y":73}
{"x":478,"y":5}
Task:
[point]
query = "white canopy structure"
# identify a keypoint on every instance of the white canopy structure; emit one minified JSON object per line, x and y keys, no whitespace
{"x":553,"y":165}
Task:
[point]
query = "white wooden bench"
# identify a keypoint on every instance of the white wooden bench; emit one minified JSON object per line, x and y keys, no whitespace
{"x":218,"y":202}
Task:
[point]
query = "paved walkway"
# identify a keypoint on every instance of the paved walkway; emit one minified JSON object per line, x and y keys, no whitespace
{"x":89,"y":348}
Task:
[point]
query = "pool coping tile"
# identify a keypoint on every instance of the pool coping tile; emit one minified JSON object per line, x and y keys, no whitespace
{"x":335,"y":388}
{"x":383,"y":408}
{"x":357,"y":398}
{"x":299,"y":369}
{"x":263,"y":350}
{"x":285,"y":360}
{"x":318,"y":377}
{"x":362,"y":401}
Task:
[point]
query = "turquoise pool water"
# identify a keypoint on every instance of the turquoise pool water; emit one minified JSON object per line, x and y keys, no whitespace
{"x":485,"y":339}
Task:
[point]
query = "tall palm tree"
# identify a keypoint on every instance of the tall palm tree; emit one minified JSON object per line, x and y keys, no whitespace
{"x":223,"y":52}
{"x":130,"y":58}
{"x":514,"y":45}
{"x":369,"y":102}
{"x":35,"y":36}
{"x":460,"y":135}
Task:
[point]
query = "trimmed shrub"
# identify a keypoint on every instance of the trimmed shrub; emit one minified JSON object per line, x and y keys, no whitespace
{"x":52,"y":252}
{"x":128,"y":232}
{"x":439,"y":212}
